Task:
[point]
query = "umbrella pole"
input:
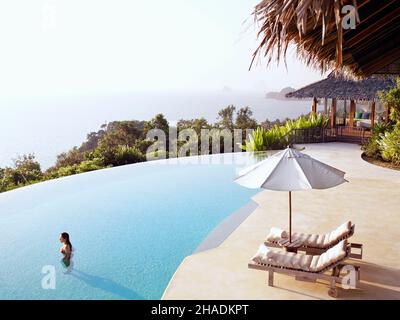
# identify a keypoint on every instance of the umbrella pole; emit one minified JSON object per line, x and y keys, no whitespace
{"x":290,"y":216}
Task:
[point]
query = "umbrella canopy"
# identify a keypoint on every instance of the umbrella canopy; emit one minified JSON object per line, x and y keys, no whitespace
{"x":290,"y":170}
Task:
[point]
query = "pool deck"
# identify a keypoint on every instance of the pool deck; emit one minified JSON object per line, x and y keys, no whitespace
{"x":371,"y":200}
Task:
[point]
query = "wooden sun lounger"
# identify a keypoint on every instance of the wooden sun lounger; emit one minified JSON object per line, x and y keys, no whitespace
{"x":317,"y":250}
{"x":310,"y":276}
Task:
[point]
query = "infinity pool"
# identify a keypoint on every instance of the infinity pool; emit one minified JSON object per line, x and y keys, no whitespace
{"x":130,"y":226}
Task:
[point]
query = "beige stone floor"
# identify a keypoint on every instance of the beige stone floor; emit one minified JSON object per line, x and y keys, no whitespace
{"x":371,"y":200}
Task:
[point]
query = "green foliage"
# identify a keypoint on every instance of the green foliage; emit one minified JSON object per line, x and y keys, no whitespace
{"x":84,"y":166}
{"x":313,"y":120}
{"x":26,"y":170}
{"x":244,"y":119}
{"x":127,"y":155}
{"x":158,"y":122}
{"x":392,"y":99}
{"x":371,"y":146}
{"x":384,"y":142}
{"x":143,"y":145}
{"x":225,"y":117}
{"x":389,"y":145}
{"x":256,"y":141}
{"x":92,"y":140}
{"x":278,"y":136}
{"x":70,"y":158}
{"x":196,"y":124}
{"x":262,"y":139}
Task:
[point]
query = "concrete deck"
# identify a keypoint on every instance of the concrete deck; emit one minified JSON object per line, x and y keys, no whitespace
{"x":371,"y":200}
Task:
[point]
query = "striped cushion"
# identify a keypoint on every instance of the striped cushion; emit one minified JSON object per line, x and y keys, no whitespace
{"x":300,"y":261}
{"x":329,"y":257}
{"x":325,"y":240}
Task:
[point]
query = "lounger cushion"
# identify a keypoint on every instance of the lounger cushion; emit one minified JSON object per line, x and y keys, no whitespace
{"x":311,"y":240}
{"x":300,"y":261}
{"x":262,"y":254}
{"x":276,"y":234}
{"x":285,"y":259}
{"x":340,"y":232}
{"x":333,"y":255}
{"x":325,"y":240}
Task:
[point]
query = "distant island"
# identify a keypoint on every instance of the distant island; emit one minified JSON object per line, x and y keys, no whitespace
{"x":281,"y":95}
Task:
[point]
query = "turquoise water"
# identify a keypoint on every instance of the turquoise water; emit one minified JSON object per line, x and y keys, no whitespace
{"x":130,"y":226}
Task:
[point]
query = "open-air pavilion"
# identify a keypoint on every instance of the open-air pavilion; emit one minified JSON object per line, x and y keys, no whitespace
{"x":352,"y":106}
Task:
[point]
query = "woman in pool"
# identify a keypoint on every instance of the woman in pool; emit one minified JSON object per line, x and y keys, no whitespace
{"x":66,"y":249}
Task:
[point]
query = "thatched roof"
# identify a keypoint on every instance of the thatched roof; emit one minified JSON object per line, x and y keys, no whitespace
{"x":343,"y":88}
{"x":315,"y":28}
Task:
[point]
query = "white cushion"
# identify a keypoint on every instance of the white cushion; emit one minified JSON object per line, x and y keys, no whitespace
{"x":261,"y":254}
{"x":329,"y":257}
{"x":325,"y":240}
{"x":276,"y":234}
{"x":340,"y":232}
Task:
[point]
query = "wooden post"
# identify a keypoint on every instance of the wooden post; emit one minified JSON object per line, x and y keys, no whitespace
{"x":352,"y":113}
{"x":290,"y":216}
{"x":326,"y":106}
{"x":271,"y":278}
{"x":314,"y":105}
{"x":387,"y":113}
{"x":333,"y":113}
{"x":372,"y":115}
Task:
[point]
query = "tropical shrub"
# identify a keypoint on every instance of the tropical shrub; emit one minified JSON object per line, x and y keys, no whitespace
{"x":391,"y":98}
{"x":262,"y":140}
{"x":255,"y":141}
{"x":389,"y":145}
{"x":384,"y":142}
{"x":371,"y":146}
{"x":84,"y":166}
{"x":279,"y":136}
{"x":127,"y":155}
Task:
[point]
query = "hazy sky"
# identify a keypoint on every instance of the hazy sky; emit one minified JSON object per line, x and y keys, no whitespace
{"x":73,"y":47}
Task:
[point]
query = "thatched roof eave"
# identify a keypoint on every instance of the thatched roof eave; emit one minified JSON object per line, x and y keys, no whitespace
{"x":315,"y":28}
{"x":342,"y":88}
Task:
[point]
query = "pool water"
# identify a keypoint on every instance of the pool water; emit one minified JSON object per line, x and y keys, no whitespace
{"x":130,"y":226}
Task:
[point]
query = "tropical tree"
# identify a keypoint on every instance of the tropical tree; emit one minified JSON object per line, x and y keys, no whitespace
{"x":127,"y":155}
{"x":158,"y":122}
{"x":69,"y":158}
{"x":27,"y":169}
{"x":195,"y":124}
{"x":245,"y":120}
{"x":226,"y":118}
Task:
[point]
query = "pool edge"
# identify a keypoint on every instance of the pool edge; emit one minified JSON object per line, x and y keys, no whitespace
{"x":219,"y":234}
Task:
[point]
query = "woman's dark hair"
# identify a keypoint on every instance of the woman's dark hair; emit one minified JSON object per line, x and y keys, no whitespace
{"x":65,"y":236}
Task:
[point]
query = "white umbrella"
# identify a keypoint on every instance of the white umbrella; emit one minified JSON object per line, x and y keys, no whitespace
{"x":290,"y":170}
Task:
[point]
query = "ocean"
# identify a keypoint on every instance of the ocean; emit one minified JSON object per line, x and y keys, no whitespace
{"x":49,"y":126}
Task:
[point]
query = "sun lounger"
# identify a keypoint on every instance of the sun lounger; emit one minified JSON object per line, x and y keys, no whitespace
{"x":315,"y":243}
{"x":305,"y":267}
